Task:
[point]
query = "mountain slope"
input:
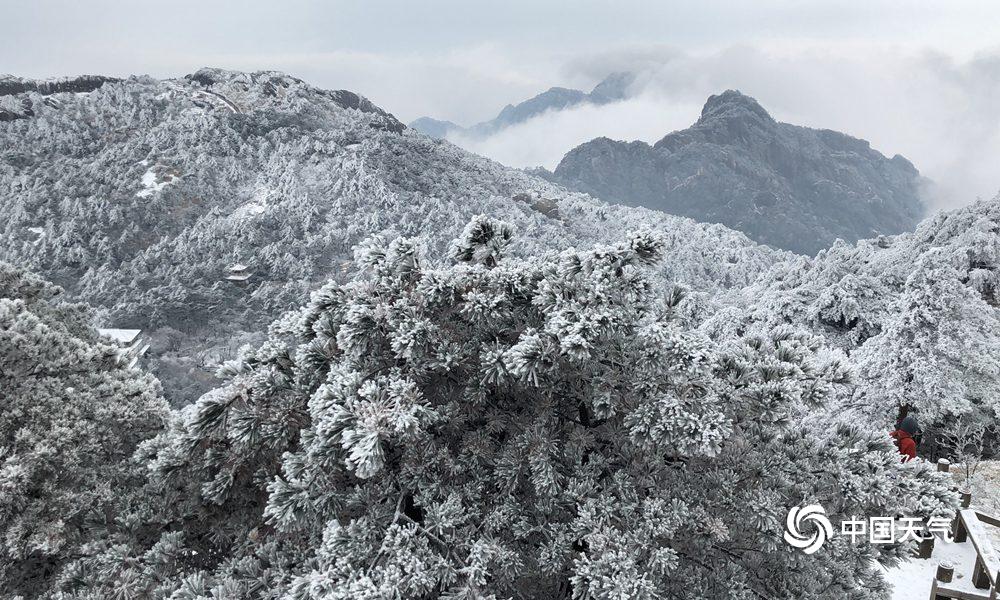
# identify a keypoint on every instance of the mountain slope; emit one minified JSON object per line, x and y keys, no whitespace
{"x":139,"y":195}
{"x":612,"y":89}
{"x":787,"y":186}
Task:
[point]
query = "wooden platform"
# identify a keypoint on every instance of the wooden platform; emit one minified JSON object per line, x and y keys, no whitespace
{"x":984,"y":532}
{"x":941,"y":591}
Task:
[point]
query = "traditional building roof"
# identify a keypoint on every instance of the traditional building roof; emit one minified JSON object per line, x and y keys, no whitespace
{"x":131,"y":345}
{"x":122,"y":337}
{"x":238,"y":273}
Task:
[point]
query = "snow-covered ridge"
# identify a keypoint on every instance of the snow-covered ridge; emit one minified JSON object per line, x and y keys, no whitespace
{"x":228,"y":86}
{"x":10,"y":85}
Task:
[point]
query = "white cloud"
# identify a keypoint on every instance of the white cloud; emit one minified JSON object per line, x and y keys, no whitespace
{"x":939,"y":112}
{"x":544,"y":140}
{"x":909,"y":75}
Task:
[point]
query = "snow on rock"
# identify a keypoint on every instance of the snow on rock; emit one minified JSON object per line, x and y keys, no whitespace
{"x":257,"y":205}
{"x":251,"y":209}
{"x":155,"y":179}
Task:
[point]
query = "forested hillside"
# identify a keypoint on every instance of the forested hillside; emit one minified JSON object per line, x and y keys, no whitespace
{"x":138,"y":195}
{"x":71,"y":416}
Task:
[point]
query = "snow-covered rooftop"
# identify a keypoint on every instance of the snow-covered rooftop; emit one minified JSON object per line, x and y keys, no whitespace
{"x":137,"y":355}
{"x":120,"y":336}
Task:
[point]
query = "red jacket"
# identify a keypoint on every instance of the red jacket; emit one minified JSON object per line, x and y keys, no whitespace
{"x":907,"y":447}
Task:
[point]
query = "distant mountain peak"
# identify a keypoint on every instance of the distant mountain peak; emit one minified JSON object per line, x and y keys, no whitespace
{"x":612,"y":88}
{"x":230,"y":86}
{"x":730,"y":104}
{"x":436,"y":128}
{"x":792,"y":187}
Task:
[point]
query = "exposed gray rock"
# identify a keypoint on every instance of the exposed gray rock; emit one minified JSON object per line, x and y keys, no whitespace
{"x":615,"y":87}
{"x":792,"y":187}
{"x":10,"y":85}
{"x":555,"y":98}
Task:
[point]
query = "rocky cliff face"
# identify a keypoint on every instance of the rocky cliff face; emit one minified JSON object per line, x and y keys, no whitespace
{"x":791,"y":187}
{"x":82,"y":84}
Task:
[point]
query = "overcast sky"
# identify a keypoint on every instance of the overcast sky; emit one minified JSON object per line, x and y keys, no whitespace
{"x":918,"y":77}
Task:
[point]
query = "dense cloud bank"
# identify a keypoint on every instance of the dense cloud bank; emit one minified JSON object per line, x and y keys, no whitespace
{"x":936,"y":110}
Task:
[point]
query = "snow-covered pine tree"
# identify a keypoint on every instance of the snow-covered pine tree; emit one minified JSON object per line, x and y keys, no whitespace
{"x":917,"y":313}
{"x":70,"y":419}
{"x":931,"y":354}
{"x":533,"y":428}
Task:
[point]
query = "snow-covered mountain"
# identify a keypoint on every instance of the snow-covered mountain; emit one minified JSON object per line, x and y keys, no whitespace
{"x":791,"y":187}
{"x":381,"y":437}
{"x":139,"y":195}
{"x":612,"y":88}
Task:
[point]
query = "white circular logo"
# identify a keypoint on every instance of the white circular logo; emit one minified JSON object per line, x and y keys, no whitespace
{"x":822,"y":529}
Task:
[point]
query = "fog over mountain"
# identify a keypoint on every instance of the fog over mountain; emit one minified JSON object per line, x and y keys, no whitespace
{"x":791,"y":187}
{"x":929,"y":106}
{"x":613,"y":88}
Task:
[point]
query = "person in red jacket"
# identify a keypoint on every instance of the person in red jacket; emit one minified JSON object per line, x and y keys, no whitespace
{"x":904,"y":437}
